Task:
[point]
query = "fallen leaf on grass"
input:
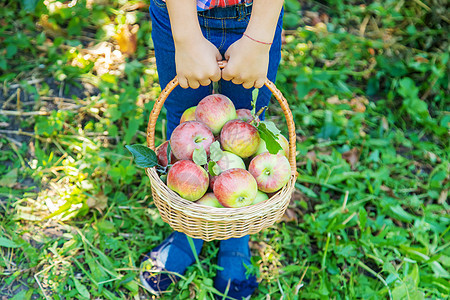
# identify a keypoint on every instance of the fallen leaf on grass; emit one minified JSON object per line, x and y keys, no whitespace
{"x":335,"y":100}
{"x":421,"y":59}
{"x":98,"y":202}
{"x":443,"y":196}
{"x":135,"y":6}
{"x":352,"y":157}
{"x":126,"y":37}
{"x":311,"y":17}
{"x":388,"y":190}
{"x":290,"y":215}
{"x":359,"y":103}
{"x":384,"y":123}
{"x":312,"y":156}
{"x":51,"y":29}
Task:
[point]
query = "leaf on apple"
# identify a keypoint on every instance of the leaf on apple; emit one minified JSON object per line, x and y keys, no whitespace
{"x":272,"y":127}
{"x":169,"y":157}
{"x":215,"y":153}
{"x":267,"y":133}
{"x":199,"y":156}
{"x":143,"y":156}
{"x":214,"y":169}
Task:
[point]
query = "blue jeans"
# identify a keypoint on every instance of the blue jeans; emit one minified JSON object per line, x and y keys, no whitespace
{"x":222,"y":27}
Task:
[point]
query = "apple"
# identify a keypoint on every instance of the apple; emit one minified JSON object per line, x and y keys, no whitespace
{"x":189,"y":136}
{"x":188,"y":180}
{"x":188,"y":115}
{"x":240,"y":137}
{"x":284,"y":143}
{"x":271,"y":171}
{"x":260,"y":197}
{"x":209,"y":199}
{"x":235,"y":188}
{"x":228,"y":161}
{"x":215,"y":110}
{"x":161,"y":154}
{"x":244,"y":114}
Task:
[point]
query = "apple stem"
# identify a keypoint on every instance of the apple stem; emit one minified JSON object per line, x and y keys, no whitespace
{"x":266,"y":171}
{"x":198,"y":140}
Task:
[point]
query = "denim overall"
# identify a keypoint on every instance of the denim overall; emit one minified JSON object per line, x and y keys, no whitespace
{"x":222,"y":27}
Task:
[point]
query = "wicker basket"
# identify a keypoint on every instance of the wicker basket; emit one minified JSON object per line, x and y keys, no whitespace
{"x":209,"y":223}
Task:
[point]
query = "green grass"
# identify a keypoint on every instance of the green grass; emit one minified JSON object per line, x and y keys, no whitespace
{"x":370,"y":97}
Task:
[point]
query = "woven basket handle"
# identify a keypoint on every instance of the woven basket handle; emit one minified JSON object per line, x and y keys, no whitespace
{"x":269,"y":84}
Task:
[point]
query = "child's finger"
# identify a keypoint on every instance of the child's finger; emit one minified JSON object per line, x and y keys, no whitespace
{"x":218,"y":56}
{"x":237,"y":80}
{"x":227,"y":73}
{"x":183,"y":82}
{"x":193,"y":83}
{"x":216,"y":76}
{"x":259,"y":83}
{"x":205,"y":82}
{"x":248,"y":84}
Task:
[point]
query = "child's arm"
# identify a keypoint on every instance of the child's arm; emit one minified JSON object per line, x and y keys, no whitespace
{"x":248,"y":60}
{"x":195,"y":57}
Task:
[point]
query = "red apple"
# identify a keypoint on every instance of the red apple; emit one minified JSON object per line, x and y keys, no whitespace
{"x":188,"y":115}
{"x":189,"y":136}
{"x":215,"y":110}
{"x":161,"y":153}
{"x":188,"y":180}
{"x":260,"y":197}
{"x":245,"y":115}
{"x":209,"y":199}
{"x":284,"y":143}
{"x":240,"y":137}
{"x":228,"y":161}
{"x":235,"y":188}
{"x":271,"y":171}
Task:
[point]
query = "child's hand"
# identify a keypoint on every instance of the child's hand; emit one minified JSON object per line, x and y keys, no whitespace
{"x":195,"y":57}
{"x":196,"y":62}
{"x":248,"y":62}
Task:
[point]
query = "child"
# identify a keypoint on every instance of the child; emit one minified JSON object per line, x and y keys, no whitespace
{"x":190,"y":37}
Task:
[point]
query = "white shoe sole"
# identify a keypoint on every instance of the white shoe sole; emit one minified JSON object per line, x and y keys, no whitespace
{"x":147,"y":286}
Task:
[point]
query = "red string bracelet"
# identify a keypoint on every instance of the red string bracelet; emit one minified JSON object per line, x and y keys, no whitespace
{"x":255,"y":40}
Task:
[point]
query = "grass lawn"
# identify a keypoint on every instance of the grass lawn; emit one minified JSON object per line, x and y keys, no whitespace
{"x":368,"y":86}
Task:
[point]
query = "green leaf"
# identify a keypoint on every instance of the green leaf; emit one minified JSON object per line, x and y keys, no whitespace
{"x":7,"y":243}
{"x":81,"y":288}
{"x":269,"y":137}
{"x":401,"y":214}
{"x":133,"y":126}
{"x":199,"y":156}
{"x":439,"y":271}
{"x":29,"y":5}
{"x":255,"y":93}
{"x":214,"y":168}
{"x":20,"y":296}
{"x":9,"y":179}
{"x":271,"y":127}
{"x":106,"y":226}
{"x":143,"y":156}
{"x":362,"y":218}
{"x":346,"y":251}
{"x":215,"y":152}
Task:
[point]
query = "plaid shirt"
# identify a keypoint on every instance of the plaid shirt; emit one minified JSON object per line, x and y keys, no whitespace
{"x":208,"y":4}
